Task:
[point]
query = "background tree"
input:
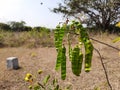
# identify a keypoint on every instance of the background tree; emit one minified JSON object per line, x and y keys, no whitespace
{"x":4,"y":26}
{"x":41,"y":29}
{"x":17,"y":26}
{"x":100,"y":13}
{"x":27,"y":28}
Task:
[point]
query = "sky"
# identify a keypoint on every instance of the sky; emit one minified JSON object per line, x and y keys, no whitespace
{"x":30,"y":11}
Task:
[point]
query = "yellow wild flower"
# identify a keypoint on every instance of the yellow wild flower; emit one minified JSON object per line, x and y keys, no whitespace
{"x":40,"y":71}
{"x":26,"y":79}
{"x":30,"y":80}
{"x":28,"y":75}
{"x":118,"y":24}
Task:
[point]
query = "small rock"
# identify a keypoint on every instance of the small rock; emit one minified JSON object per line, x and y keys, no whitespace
{"x":12,"y":63}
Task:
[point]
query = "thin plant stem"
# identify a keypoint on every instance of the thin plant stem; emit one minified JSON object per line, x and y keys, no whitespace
{"x":105,"y":44}
{"x":106,"y":74}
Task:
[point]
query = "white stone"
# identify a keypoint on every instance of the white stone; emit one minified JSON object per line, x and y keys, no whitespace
{"x":12,"y":63}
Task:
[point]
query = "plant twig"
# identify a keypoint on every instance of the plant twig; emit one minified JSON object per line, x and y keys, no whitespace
{"x":40,"y":85}
{"x":105,"y":44}
{"x":104,"y":69}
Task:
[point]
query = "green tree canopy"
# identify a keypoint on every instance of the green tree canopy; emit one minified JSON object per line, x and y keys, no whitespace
{"x":100,"y":13}
{"x":40,"y":29}
{"x":17,"y":26}
{"x":4,"y":26}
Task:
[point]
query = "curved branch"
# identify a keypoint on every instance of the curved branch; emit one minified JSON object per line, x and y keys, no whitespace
{"x":106,"y":74}
{"x":106,"y":44}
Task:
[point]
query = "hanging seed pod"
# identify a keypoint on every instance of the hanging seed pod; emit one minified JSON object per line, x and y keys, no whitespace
{"x":56,"y":36}
{"x":80,"y":60}
{"x":88,"y":49}
{"x":88,"y":55}
{"x":63,"y":63}
{"x":59,"y":34}
{"x":75,"y":59}
{"x":58,"y":61}
{"x":75,"y":55}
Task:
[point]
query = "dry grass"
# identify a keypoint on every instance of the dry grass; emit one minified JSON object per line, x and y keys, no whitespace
{"x":30,"y":39}
{"x":45,"y":58}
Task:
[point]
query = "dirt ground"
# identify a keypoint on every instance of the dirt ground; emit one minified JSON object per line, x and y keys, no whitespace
{"x":31,"y":60}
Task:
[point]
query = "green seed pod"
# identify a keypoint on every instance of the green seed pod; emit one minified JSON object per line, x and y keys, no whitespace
{"x":80,"y":60}
{"x":59,"y":34}
{"x":88,"y":49}
{"x":63,"y":63}
{"x":58,"y":62}
{"x":45,"y":80}
{"x":75,"y":59}
{"x":88,"y":55}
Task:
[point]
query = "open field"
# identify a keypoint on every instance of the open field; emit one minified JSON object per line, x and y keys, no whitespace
{"x":31,"y":60}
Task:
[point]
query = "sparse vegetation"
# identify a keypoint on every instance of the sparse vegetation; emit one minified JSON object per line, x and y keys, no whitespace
{"x":45,"y":83}
{"x":30,"y":39}
{"x":35,"y":59}
{"x":71,"y":48}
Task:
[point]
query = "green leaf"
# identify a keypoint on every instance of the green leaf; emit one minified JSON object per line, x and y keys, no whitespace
{"x":46,"y":79}
{"x":37,"y":87}
{"x":116,"y":40}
